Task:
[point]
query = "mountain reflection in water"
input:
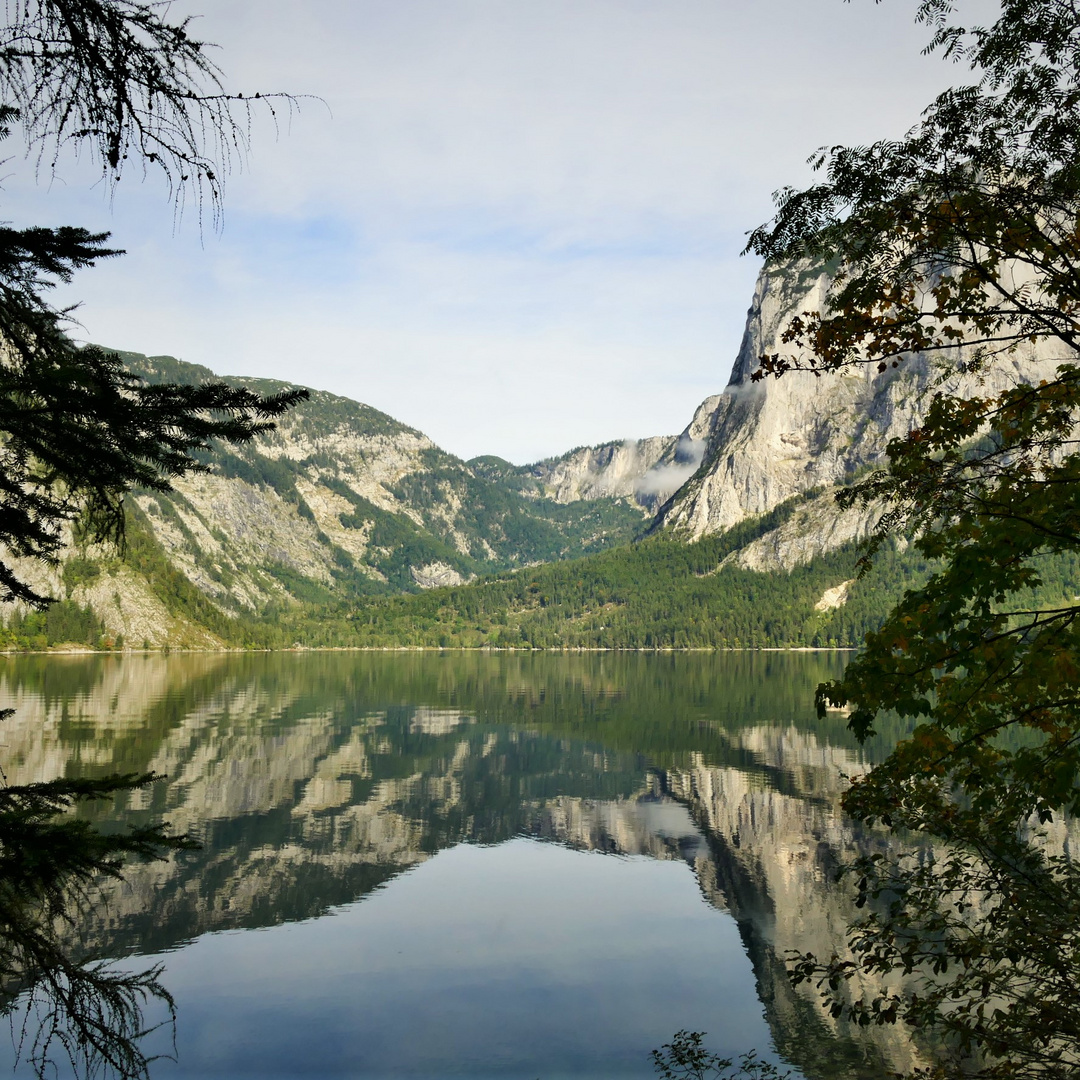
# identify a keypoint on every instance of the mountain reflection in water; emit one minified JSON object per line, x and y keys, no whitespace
{"x":331,"y":793}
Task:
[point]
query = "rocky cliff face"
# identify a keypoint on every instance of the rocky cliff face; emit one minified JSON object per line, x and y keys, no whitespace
{"x":649,"y":471}
{"x":769,"y":441}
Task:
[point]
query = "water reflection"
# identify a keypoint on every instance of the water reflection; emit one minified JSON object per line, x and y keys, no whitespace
{"x":61,"y":1004}
{"x":317,"y":781}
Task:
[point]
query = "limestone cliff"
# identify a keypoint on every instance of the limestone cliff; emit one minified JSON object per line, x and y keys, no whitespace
{"x":649,"y":471}
{"x":768,"y":441}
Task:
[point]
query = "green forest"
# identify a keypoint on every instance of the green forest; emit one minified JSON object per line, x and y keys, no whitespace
{"x":657,"y":593}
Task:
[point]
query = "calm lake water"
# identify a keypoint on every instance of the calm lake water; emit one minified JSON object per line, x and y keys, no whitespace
{"x":420,"y":865}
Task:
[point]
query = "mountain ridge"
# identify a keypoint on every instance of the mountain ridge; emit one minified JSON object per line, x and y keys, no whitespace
{"x":313,"y":533}
{"x":338,"y":502}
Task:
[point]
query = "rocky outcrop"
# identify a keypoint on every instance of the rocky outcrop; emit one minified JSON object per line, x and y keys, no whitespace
{"x":435,"y":575}
{"x":836,"y":597}
{"x":813,"y":529}
{"x":648,"y":471}
{"x":768,"y":441}
{"x":223,"y":533}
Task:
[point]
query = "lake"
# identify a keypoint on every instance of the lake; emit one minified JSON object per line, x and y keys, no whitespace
{"x":466,"y":864}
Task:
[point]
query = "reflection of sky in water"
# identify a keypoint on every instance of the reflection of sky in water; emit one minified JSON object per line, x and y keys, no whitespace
{"x":310,"y":779}
{"x":525,"y":959}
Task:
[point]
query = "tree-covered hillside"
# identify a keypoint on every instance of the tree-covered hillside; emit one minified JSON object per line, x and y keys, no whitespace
{"x":659,"y":593}
{"x":342,"y":501}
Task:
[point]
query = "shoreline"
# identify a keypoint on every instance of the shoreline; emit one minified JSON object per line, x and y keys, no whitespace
{"x":169,"y":650}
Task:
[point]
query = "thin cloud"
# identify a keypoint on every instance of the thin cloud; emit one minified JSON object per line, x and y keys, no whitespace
{"x":665,"y":480}
{"x":519,"y":230}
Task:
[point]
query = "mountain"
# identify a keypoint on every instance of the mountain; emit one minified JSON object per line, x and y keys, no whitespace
{"x":751,"y":550}
{"x":315,"y":533}
{"x":767,"y":442}
{"x":346,"y":497}
{"x":338,"y":503}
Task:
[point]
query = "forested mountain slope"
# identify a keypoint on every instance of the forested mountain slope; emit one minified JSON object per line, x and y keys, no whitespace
{"x":345,"y":497}
{"x":313,"y":534}
{"x":339,"y":503}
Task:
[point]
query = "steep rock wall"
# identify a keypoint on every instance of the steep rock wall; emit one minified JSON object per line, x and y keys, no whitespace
{"x":768,"y":441}
{"x":648,"y":471}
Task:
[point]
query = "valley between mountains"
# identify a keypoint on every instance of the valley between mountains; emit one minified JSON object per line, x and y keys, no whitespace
{"x":345,"y":527}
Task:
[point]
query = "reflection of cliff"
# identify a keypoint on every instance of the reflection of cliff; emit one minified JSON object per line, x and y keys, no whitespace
{"x":294,"y":824}
{"x":773,"y":857}
{"x":308,"y":791}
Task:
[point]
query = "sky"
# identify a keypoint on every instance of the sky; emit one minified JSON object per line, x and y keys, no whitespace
{"x":515,"y":225}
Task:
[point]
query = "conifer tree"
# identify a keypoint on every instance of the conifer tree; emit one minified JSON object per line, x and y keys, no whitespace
{"x":122,"y":81}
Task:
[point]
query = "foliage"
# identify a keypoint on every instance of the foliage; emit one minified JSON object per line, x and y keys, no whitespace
{"x":87,"y":1013}
{"x":62,"y":623}
{"x":960,"y":242}
{"x":118,"y":77}
{"x":986,"y":932}
{"x":961,"y":652}
{"x":685,"y":1058}
{"x":659,"y":593}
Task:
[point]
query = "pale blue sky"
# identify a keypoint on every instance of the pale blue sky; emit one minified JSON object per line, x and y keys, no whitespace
{"x":517,"y":224}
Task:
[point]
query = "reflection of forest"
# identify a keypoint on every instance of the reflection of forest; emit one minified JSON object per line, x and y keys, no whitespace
{"x":312,"y":779}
